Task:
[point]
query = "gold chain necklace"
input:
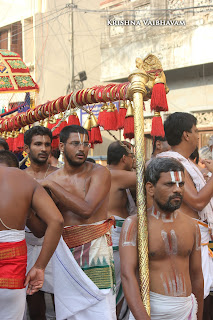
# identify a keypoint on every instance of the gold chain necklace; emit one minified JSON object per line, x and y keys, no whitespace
{"x":45,"y":173}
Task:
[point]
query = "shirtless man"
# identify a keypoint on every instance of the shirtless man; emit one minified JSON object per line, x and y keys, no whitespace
{"x":19,"y":193}
{"x":8,"y":159}
{"x":197,"y":201}
{"x":38,"y":146}
{"x":81,"y":191}
{"x":120,"y":162}
{"x":174,"y":250}
{"x":160,"y":144}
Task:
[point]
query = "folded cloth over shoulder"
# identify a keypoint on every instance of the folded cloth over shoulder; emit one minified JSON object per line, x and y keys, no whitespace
{"x":172,"y":308}
{"x":206,"y":255}
{"x":83,"y":275}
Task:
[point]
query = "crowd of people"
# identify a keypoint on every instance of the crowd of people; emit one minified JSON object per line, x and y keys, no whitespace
{"x":69,"y":229}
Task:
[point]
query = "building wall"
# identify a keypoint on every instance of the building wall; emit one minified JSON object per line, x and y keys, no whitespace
{"x":44,"y":41}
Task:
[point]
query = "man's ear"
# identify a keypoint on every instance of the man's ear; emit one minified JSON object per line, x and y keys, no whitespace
{"x":185,"y":135}
{"x":26,"y":149}
{"x":158,"y":145}
{"x":61,"y":147}
{"x":123,"y":159}
{"x":150,"y":189}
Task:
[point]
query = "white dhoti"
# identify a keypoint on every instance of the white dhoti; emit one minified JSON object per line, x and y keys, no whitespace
{"x":172,"y":308}
{"x":12,"y":301}
{"x":115,"y":232}
{"x":76,"y":296}
{"x":207,"y":261}
{"x":34,"y":246}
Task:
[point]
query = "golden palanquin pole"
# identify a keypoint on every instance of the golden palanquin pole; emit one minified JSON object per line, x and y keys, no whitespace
{"x":142,"y":80}
{"x":137,"y":90}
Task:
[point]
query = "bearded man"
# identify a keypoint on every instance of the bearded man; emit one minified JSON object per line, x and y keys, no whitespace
{"x":83,"y":261}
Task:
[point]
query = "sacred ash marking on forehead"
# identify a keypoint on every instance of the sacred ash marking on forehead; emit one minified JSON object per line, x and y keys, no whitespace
{"x":176,"y":177}
{"x":83,"y":138}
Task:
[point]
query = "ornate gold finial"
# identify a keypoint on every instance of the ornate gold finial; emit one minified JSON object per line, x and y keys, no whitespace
{"x":139,"y":64}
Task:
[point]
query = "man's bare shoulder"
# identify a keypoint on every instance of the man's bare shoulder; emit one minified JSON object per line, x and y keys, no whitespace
{"x":52,"y":169}
{"x":17,"y":174}
{"x":118,"y":173}
{"x":97,"y":169}
{"x":55,"y":173}
{"x":186,"y":219}
{"x":131,"y":220}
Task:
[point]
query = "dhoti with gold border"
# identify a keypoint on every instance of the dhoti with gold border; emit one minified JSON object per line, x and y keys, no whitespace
{"x":13,"y":262}
{"x":84,"y":273}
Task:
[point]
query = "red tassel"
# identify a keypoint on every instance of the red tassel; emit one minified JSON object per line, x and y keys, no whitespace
{"x":56,"y":131}
{"x":129,"y":127}
{"x":96,"y":135}
{"x":102,"y":115}
{"x":121,"y":117}
{"x":157,"y":125}
{"x":50,"y":125}
{"x":73,"y":119}
{"x":55,"y":143}
{"x":10,"y":143}
{"x":92,"y":144}
{"x":158,"y":99}
{"x":110,"y":118}
{"x":18,"y":144}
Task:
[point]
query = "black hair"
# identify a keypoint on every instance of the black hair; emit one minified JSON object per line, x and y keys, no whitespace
{"x":9,"y":158}
{"x":55,"y":153}
{"x":195,"y":155}
{"x":159,"y":165}
{"x":36,"y":131}
{"x":4,"y":144}
{"x":65,"y":132}
{"x":91,"y":160}
{"x":176,"y":124}
{"x":157,"y":138}
{"x":115,"y":152}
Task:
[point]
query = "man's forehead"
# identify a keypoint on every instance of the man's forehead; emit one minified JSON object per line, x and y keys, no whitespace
{"x":172,"y":175}
{"x":76,"y":136}
{"x":42,"y":138}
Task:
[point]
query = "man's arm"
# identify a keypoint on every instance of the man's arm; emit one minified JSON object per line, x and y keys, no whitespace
{"x":36,"y":225}
{"x":197,"y":200}
{"x":129,"y":268}
{"x":195,"y":271}
{"x":98,"y":190}
{"x":124,"y":179}
{"x":44,"y":206}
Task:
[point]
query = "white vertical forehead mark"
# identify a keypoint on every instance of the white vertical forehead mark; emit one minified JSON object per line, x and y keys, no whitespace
{"x":180,"y":176}
{"x":176,"y":177}
{"x":172,"y":174}
{"x":79,"y":136}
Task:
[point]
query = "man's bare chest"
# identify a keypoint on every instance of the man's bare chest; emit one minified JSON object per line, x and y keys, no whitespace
{"x":170,"y":241}
{"x":76,"y":186}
